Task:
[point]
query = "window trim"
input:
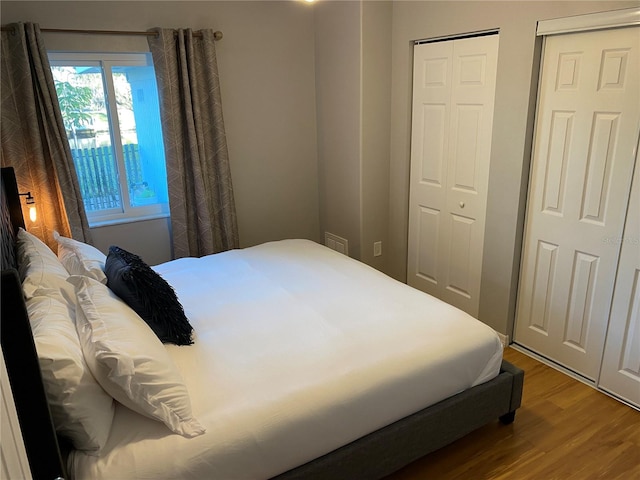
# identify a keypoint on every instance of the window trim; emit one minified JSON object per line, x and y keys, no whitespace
{"x":107,"y":61}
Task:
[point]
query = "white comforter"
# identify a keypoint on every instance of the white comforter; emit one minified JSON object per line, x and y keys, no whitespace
{"x":298,"y":350}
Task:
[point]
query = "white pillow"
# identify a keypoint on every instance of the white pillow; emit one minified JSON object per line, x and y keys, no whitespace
{"x":128,"y":360}
{"x":80,"y":258}
{"x":39,"y":267}
{"x":81,"y":409}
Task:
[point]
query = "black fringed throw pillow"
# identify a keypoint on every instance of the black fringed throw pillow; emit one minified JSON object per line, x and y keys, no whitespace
{"x":146,"y":292}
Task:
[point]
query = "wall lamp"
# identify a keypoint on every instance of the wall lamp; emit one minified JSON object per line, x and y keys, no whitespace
{"x":32,"y":205}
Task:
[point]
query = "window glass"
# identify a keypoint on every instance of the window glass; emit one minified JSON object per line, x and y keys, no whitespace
{"x":110,"y":109}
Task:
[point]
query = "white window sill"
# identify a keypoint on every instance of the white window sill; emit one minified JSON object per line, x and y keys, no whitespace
{"x":118,"y":221}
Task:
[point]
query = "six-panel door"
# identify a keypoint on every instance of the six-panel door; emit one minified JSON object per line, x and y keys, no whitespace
{"x":586,"y":133}
{"x":453,"y":97}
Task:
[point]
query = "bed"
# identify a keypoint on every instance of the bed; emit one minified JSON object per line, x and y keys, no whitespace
{"x":304,"y":364}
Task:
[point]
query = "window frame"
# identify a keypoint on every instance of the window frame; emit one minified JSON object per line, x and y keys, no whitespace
{"x":107,"y":62}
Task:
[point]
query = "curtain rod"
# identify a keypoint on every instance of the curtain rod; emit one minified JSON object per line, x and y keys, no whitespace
{"x":217,"y":35}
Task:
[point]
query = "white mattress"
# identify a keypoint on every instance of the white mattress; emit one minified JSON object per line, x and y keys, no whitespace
{"x":298,"y":351}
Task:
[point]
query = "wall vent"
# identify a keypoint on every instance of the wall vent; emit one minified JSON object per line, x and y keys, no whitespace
{"x":334,"y":242}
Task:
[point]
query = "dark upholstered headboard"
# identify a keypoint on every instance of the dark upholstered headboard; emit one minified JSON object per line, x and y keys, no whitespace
{"x":18,"y":348}
{"x":11,"y":213}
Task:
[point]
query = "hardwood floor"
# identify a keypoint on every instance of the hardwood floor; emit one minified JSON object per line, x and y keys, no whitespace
{"x":564,"y":430}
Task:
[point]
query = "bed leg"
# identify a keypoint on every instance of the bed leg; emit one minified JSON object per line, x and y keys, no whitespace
{"x":508,"y":418}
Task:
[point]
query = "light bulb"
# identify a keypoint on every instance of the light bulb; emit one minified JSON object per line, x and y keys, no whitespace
{"x":32,"y":213}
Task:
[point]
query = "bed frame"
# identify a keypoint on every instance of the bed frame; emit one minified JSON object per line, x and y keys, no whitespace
{"x":371,"y":457}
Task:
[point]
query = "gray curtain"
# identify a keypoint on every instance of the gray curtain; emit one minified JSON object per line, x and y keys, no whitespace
{"x":203,"y":216}
{"x":33,"y":139}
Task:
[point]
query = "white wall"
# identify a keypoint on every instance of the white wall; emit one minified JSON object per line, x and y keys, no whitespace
{"x":337,"y":57}
{"x":266,"y":64}
{"x":150,"y":239}
{"x":353,"y":85}
{"x":376,"y":129}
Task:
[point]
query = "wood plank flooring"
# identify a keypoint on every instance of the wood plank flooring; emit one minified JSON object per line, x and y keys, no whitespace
{"x":564,"y":430}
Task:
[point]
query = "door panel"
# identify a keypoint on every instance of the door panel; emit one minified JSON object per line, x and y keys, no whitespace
{"x":586,"y":130}
{"x":459,"y":282}
{"x":620,"y":372}
{"x":543,"y":284}
{"x":465,"y":157}
{"x":433,"y":158}
{"x":583,"y":276}
{"x":429,"y":228}
{"x":556,"y":162}
{"x":454,"y":88}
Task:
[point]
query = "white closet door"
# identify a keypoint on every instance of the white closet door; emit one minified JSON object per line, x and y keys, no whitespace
{"x":453,"y":97}
{"x":620,"y":372}
{"x":586,"y":132}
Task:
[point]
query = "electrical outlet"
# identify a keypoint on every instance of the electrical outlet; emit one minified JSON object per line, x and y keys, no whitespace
{"x":377,"y":249}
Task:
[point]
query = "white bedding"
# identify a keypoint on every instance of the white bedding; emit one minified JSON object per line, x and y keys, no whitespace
{"x":298,"y":351}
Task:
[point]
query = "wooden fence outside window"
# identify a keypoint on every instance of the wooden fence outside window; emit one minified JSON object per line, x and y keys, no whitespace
{"x":98,"y":175}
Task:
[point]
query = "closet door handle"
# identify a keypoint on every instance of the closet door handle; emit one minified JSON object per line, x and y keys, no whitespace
{"x":461,"y":204}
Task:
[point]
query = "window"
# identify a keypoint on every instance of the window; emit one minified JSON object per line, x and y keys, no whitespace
{"x":110,"y":109}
